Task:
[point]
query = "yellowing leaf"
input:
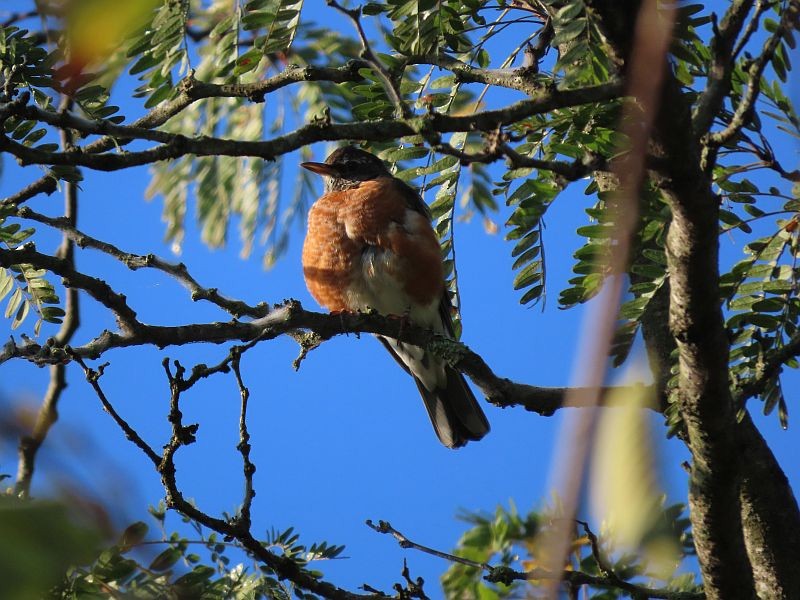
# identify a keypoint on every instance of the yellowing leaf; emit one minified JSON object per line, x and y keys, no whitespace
{"x":624,"y":487}
{"x":96,"y":28}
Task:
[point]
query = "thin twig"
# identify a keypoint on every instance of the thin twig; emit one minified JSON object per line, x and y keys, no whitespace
{"x":752,"y":26}
{"x":506,"y":575}
{"x":136,"y":261}
{"x":93,"y":377}
{"x":244,"y":443}
{"x":722,"y":43}
{"x":386,"y":527}
{"x":754,"y":73}
{"x":389,"y":86}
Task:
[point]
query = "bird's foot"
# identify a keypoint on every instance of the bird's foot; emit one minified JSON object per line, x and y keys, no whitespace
{"x":405,"y":321}
{"x":341,"y":314}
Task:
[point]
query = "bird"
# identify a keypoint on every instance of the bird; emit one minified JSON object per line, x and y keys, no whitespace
{"x":370,"y":245}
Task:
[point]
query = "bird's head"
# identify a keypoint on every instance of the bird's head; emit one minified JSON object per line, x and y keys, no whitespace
{"x":347,"y":167}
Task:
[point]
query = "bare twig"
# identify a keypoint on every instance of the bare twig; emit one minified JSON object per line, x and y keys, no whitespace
{"x":244,"y":443}
{"x":182,"y":435}
{"x":93,"y":377}
{"x":386,"y":527}
{"x":134,"y":262}
{"x":752,"y":26}
{"x":506,"y":575}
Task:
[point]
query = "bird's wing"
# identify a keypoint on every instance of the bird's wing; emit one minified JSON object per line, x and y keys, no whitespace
{"x":412,"y":198}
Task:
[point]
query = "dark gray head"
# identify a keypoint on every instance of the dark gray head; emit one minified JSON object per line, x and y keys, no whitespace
{"x":346,"y":167}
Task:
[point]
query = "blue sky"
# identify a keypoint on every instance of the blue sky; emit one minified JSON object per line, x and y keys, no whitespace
{"x":346,"y":438}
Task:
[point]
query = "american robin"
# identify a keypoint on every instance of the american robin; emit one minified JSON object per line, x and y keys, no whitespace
{"x":370,"y":244}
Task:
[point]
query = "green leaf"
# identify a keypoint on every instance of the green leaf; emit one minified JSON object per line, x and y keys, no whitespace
{"x":529,"y":275}
{"x":569,"y":31}
{"x":13,"y":303}
{"x":165,"y":560}
{"x":133,"y":535}
{"x":22,"y":312}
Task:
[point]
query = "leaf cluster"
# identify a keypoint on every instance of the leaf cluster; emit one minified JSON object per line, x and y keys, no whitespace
{"x":27,"y":284}
{"x":508,"y":540}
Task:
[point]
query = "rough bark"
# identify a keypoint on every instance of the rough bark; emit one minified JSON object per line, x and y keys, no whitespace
{"x":758,"y":510}
{"x":770,"y":518}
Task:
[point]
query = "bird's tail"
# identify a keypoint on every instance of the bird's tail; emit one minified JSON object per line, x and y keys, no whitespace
{"x":455,"y":413}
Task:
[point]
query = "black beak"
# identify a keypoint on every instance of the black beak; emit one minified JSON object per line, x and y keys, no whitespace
{"x":320,"y":168}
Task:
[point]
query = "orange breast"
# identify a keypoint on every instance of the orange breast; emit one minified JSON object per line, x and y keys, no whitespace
{"x":342,"y":224}
{"x":329,"y":256}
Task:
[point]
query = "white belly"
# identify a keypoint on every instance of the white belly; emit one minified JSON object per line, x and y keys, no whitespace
{"x":376,"y":287}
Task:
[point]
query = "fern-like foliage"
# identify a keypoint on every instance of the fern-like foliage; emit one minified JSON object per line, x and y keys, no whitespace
{"x":25,"y":285}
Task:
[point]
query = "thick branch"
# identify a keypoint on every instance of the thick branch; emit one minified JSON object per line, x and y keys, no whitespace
{"x":175,"y":145}
{"x":291,"y":318}
{"x":697,"y":326}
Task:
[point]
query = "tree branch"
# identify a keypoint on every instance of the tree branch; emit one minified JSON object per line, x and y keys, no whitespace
{"x":771,"y":369}
{"x":192,"y":90}
{"x":507,"y":576}
{"x":243,"y":446}
{"x":176,"y":145}
{"x":754,"y":73}
{"x":570,"y":171}
{"x":96,"y":288}
{"x":710,"y":101}
{"x":183,"y":435}
{"x":389,"y":86}
{"x":696,"y":324}
{"x":236,"y":308}
{"x":752,"y":26}
{"x":46,"y":185}
{"x":93,"y":377}
{"x":290,"y":318}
